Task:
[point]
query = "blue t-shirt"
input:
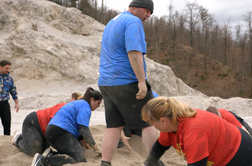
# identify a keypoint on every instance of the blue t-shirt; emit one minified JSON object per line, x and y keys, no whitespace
{"x":155,"y":94}
{"x":122,"y":34}
{"x":71,"y":115}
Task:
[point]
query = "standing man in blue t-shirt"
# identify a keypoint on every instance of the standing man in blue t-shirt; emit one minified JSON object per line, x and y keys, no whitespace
{"x":7,"y":87}
{"x":122,"y":79}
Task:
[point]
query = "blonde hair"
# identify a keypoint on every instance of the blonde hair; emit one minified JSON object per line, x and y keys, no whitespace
{"x":162,"y":106}
{"x":77,"y":96}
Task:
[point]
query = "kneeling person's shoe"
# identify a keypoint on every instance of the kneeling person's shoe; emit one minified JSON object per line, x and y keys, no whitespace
{"x":48,"y":152}
{"x":37,"y":160}
{"x":16,"y":138}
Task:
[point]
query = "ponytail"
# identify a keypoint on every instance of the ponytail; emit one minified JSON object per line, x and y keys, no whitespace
{"x":90,"y":92}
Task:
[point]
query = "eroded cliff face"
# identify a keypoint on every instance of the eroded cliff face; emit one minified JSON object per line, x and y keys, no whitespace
{"x":49,"y":42}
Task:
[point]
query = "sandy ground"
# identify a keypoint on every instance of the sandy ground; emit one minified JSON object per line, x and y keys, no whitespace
{"x":11,"y":156}
{"x":30,"y":98}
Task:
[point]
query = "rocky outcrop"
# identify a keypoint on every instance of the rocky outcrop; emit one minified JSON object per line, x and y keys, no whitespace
{"x":49,"y":42}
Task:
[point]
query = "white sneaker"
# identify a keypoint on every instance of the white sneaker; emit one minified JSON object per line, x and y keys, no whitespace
{"x":36,"y":160}
{"x":16,"y":138}
{"x":47,"y":152}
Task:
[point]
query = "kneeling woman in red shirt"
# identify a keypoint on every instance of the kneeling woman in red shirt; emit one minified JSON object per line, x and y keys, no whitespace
{"x":32,"y":139}
{"x":200,"y":137}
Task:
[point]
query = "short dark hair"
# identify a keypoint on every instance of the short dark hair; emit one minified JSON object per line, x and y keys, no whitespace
{"x":4,"y":63}
{"x":213,"y":110}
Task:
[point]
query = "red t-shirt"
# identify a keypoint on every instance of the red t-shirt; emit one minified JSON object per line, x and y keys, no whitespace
{"x":204,"y":135}
{"x":45,"y":115}
{"x":228,"y":116}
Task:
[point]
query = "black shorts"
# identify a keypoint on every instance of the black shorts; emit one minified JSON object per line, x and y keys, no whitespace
{"x":243,"y":156}
{"x":121,"y":106}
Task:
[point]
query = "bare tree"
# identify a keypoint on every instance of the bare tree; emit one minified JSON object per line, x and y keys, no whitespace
{"x":73,"y":3}
{"x":85,"y":7}
{"x":226,"y":31}
{"x":193,"y":11}
{"x":237,"y":35}
{"x":205,"y":32}
{"x":159,"y":24}
{"x":182,"y":21}
{"x":170,"y":8}
{"x":102,"y":12}
{"x":248,"y":20}
{"x":175,"y":41}
{"x":242,"y":41}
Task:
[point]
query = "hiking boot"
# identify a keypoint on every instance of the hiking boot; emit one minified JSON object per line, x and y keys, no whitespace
{"x":37,"y":160}
{"x":16,"y":138}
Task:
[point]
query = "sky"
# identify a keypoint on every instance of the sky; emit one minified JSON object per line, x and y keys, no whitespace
{"x":221,"y":9}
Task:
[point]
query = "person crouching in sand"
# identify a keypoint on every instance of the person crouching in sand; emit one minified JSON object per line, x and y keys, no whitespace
{"x":200,"y":137}
{"x":64,"y":129}
{"x":32,"y":138}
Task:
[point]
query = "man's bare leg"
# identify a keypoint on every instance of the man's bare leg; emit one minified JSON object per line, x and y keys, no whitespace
{"x":149,"y":137}
{"x":109,"y":143}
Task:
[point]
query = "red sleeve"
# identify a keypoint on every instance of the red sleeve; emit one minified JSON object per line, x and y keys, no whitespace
{"x":164,"y":139}
{"x":230,"y":117}
{"x":55,"y":109}
{"x":195,"y":144}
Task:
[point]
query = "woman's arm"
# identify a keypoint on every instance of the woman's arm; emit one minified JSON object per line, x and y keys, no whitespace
{"x":156,"y":152}
{"x":86,"y":134}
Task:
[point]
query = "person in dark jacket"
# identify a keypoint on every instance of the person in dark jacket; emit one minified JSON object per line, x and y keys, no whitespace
{"x":7,"y":87}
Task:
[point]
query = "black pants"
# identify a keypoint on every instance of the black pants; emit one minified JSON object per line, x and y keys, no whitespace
{"x":242,"y":121}
{"x":69,"y":149}
{"x":5,"y":115}
{"x":33,"y":140}
{"x":129,"y":132}
{"x":243,"y":156}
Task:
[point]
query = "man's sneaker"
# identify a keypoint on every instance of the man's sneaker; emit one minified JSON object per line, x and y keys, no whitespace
{"x":48,"y":152}
{"x":120,"y":144}
{"x":37,"y":160}
{"x":16,"y":138}
{"x":104,"y":163}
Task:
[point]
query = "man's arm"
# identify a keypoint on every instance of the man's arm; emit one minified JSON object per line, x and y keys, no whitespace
{"x":136,"y":61}
{"x":16,"y":105}
{"x":13,"y":92}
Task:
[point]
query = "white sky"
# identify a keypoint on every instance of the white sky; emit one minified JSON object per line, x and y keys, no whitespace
{"x":221,"y":9}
